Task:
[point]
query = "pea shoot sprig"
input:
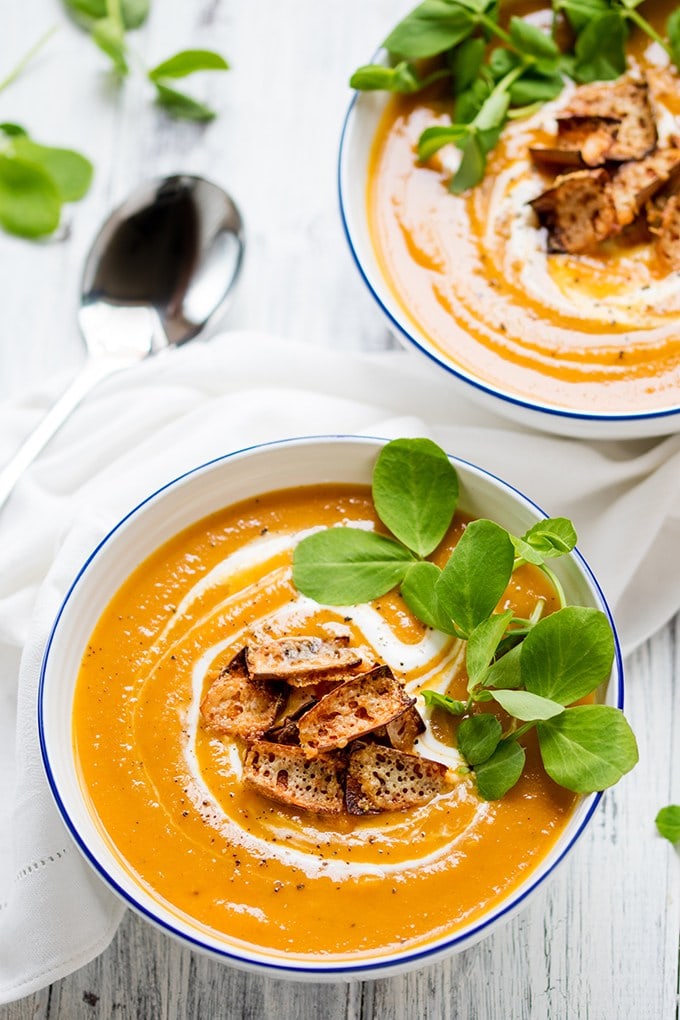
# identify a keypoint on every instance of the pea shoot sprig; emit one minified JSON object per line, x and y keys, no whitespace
{"x":533,"y":669}
{"x":496,"y":73}
{"x":109,"y":21}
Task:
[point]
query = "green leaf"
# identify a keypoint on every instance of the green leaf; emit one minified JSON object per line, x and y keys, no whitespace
{"x":499,"y":773}
{"x":434,"y":138}
{"x":476,"y":574}
{"x":469,"y":103}
{"x":180,"y":105}
{"x":535,"y":88}
{"x":110,"y":38}
{"x":482,"y":645}
{"x":531,"y":40}
{"x":431,"y":28}
{"x":478,"y":737}
{"x":587,"y":748}
{"x":71,"y":172}
{"x":527,"y":707}
{"x":472,"y":165}
{"x":553,"y":537}
{"x":13,"y":130}
{"x":466,"y":61}
{"x":668,"y":822}
{"x":673,"y":33}
{"x":347,"y":566}
{"x":580,"y":12}
{"x":601,"y":49}
{"x":415,"y":491}
{"x":188,"y":62}
{"x":506,"y":673}
{"x":29,"y":200}
{"x":567,"y":654}
{"x":433,"y":699}
{"x":134,"y":12}
{"x":418,"y":592}
{"x":502,"y":61}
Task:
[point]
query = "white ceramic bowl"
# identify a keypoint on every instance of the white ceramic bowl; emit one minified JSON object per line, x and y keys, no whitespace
{"x":187,"y":499}
{"x":358,"y":133}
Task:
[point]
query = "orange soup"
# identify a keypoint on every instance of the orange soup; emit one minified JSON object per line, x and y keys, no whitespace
{"x":595,"y":332}
{"x":167,"y":793}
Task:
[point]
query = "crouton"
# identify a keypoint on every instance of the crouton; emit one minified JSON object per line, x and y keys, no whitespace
{"x":385,"y":779}
{"x":357,"y":707}
{"x":236,"y":705}
{"x":402,"y":731}
{"x":287,"y":775}
{"x":635,"y":183}
{"x":582,"y":142}
{"x":626,"y":101}
{"x":578,"y":211}
{"x":668,"y":239}
{"x":294,"y":658}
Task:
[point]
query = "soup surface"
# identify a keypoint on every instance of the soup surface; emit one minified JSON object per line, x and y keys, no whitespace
{"x":598,"y":332}
{"x":168,"y":794}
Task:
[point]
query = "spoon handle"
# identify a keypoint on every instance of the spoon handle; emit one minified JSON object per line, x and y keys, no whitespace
{"x":92,"y":372}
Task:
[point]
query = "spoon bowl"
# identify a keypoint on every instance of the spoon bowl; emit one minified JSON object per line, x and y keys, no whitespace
{"x":159,"y":272}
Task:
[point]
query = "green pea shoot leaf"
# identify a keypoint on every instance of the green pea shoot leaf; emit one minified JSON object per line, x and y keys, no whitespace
{"x":526,"y":706}
{"x":668,"y":823}
{"x":587,"y":748}
{"x":476,"y":574}
{"x":499,"y":773}
{"x":478,"y":737}
{"x":567,"y":654}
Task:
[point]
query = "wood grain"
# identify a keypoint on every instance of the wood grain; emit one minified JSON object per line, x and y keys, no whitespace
{"x":601,"y":941}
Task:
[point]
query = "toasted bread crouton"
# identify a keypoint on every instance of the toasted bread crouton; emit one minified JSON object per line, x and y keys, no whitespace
{"x":359,"y":706}
{"x":626,"y":101}
{"x":668,"y":239}
{"x":285,"y":728}
{"x":286,"y":774}
{"x":403,"y":730}
{"x":385,"y":779}
{"x":292,"y":658}
{"x":582,"y":142}
{"x":635,"y":183}
{"x":578,"y":211}
{"x":234,"y":704}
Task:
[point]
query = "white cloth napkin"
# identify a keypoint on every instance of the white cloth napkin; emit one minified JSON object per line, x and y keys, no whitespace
{"x":142,"y":428}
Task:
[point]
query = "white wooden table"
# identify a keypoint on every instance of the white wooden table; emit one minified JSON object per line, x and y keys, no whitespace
{"x":601,"y":942}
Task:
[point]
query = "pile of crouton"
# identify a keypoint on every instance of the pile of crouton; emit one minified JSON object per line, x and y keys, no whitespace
{"x":611,"y":172}
{"x":319,"y":730}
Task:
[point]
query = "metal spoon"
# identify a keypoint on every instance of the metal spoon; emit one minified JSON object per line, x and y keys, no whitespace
{"x":160,"y":269}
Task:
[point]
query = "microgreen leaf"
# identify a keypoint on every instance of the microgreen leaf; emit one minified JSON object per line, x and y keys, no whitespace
{"x":587,"y":748}
{"x":553,"y":537}
{"x":133,"y":12}
{"x":532,"y":88}
{"x":433,"y":699}
{"x":188,"y":62}
{"x":668,"y":822}
{"x":478,"y":737}
{"x":531,"y":40}
{"x":567,"y":654}
{"x":499,"y":773}
{"x":601,"y":49}
{"x":465,"y":62}
{"x":673,"y":33}
{"x":13,"y":130}
{"x":109,"y":35}
{"x":431,"y":28}
{"x":580,"y":12}
{"x":482,"y":645}
{"x":346,"y":566}
{"x":469,"y":103}
{"x":418,"y":592}
{"x":526,"y":706}
{"x":415,"y":491}
{"x":476,"y":574}
{"x":30,"y":205}
{"x":472,"y":165}
{"x":180,"y":105}
{"x":434,"y":138}
{"x":70,"y":171}
{"x":505,"y":673}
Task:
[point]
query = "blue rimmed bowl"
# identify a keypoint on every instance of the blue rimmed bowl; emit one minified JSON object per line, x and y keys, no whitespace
{"x":179,"y":504}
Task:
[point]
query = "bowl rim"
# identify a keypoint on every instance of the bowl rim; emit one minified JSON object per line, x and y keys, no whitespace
{"x":408,"y":333}
{"x":252,"y":958}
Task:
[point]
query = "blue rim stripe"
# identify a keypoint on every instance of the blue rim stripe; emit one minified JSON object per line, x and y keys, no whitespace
{"x":369,"y":968}
{"x":439,"y":358}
